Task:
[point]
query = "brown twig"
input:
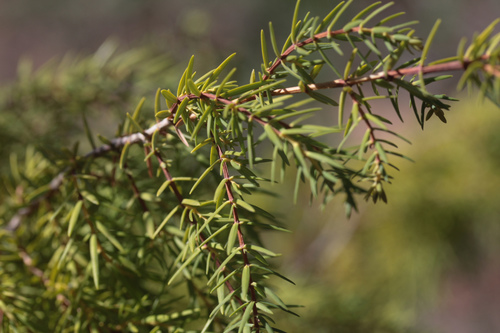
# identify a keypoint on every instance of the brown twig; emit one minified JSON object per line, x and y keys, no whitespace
{"x":388,"y":76}
{"x":180,"y":198}
{"x":246,"y":261}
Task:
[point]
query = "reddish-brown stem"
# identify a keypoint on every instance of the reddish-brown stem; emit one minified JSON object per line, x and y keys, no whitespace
{"x":369,"y":125}
{"x":148,"y":161}
{"x":363,"y":116}
{"x":388,"y":76}
{"x":179,"y":199}
{"x":246,"y":261}
{"x":166,"y":173}
{"x":454,"y":65}
{"x":118,"y":143}
{"x":493,"y":70}
{"x":137,"y":193}
{"x":292,"y":47}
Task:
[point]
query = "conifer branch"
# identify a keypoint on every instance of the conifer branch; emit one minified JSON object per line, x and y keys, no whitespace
{"x":142,"y":137}
{"x":215,"y":226}
{"x":388,"y":76}
{"x":241,"y":240}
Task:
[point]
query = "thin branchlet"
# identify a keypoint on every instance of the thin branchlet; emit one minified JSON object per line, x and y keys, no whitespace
{"x":216,"y":112}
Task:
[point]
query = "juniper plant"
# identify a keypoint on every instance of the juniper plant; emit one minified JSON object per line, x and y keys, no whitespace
{"x":152,"y":231}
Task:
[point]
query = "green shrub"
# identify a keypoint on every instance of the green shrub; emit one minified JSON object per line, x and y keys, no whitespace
{"x":154,"y":230}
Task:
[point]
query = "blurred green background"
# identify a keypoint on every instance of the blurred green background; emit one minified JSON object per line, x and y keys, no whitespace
{"x":426,"y":262}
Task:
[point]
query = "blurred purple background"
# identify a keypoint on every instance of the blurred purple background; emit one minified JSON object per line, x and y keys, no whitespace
{"x":41,"y":30}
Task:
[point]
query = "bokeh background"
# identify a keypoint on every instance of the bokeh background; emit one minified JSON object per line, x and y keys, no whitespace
{"x":426,"y":262}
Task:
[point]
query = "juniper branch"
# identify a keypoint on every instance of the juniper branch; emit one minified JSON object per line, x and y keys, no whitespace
{"x":241,"y":240}
{"x":456,"y":65}
{"x":142,"y":137}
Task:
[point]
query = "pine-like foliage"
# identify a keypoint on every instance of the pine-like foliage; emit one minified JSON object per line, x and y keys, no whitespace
{"x":151,"y":231}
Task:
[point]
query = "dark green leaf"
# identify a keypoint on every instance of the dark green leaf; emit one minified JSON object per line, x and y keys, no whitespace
{"x":205,"y":173}
{"x":74,"y":216}
{"x":246,"y":206}
{"x":169,"y":97}
{"x":165,"y":220}
{"x":245,"y":282}
{"x":246,"y":316}
{"x":273,"y":137}
{"x":94,"y":258}
{"x":193,"y":256}
{"x":232,"y":237}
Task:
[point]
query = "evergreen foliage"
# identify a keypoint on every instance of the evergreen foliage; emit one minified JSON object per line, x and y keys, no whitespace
{"x":65,"y":91}
{"x":153,"y":231}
